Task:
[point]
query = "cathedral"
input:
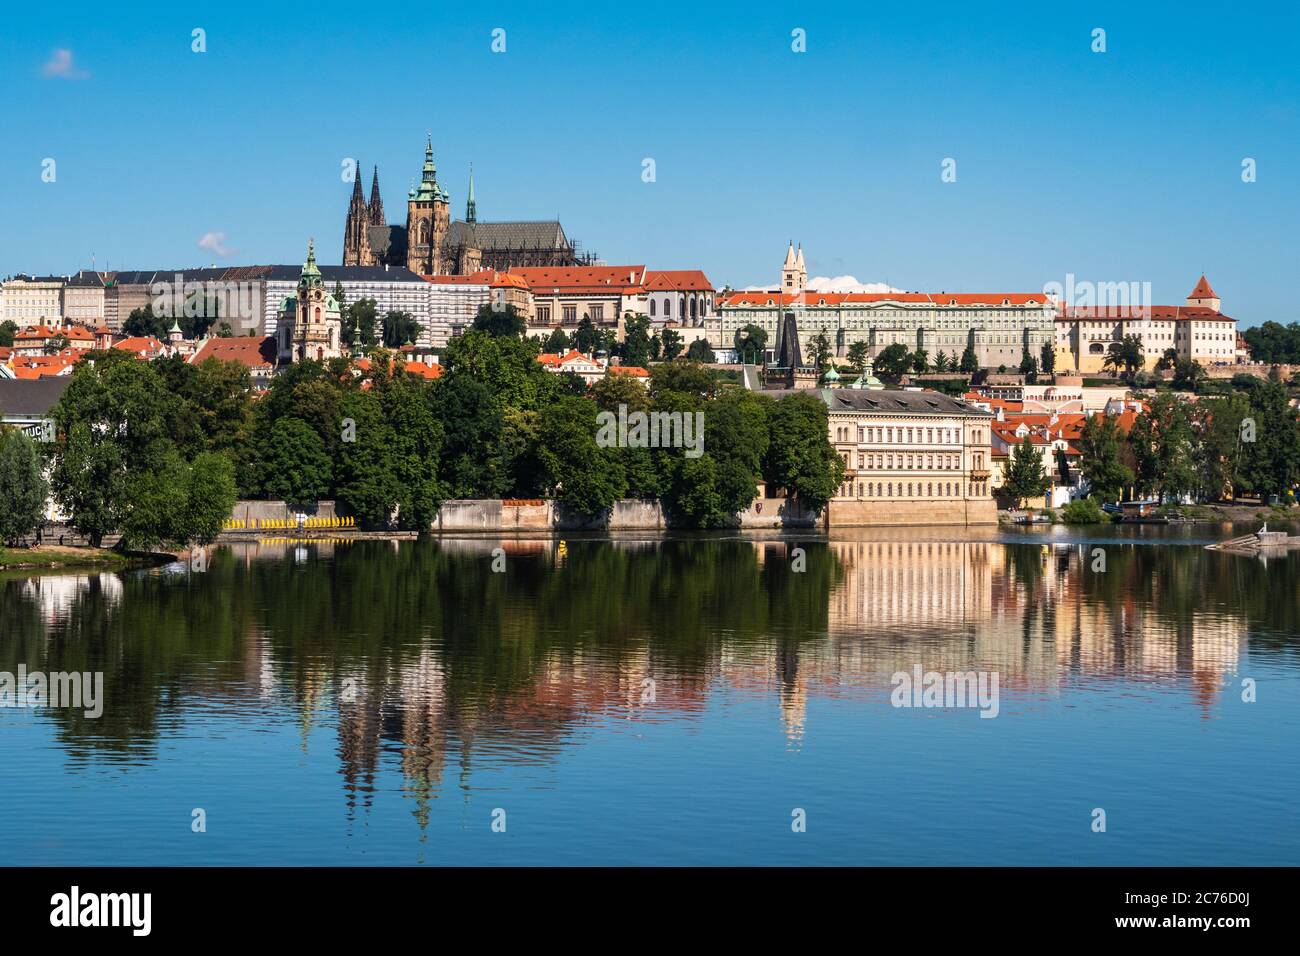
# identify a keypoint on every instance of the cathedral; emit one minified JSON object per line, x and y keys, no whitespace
{"x":432,"y":243}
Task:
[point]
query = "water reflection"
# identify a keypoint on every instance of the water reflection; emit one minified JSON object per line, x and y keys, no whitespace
{"x":421,"y":653}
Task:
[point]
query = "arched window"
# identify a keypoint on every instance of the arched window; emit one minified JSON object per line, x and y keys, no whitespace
{"x":652,"y":306}
{"x":692,"y":308}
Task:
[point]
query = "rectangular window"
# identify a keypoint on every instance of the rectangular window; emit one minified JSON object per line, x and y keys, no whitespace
{"x":570,"y":314}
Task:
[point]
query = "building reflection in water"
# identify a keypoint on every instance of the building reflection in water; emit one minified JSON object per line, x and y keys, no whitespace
{"x":423,"y":652}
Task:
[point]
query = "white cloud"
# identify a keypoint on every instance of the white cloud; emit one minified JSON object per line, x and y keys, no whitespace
{"x":847,"y":284}
{"x":215,"y":242}
{"x":62,"y":64}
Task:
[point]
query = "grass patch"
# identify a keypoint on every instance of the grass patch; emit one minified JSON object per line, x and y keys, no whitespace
{"x":58,"y":556}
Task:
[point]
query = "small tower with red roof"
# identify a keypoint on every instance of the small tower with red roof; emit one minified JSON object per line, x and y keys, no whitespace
{"x":1204,"y":297}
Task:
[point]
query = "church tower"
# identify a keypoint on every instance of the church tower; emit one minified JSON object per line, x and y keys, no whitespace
{"x":356,"y":232}
{"x":471,"y":208}
{"x":376,"y":207}
{"x":794,"y":274}
{"x":1204,"y":296}
{"x":309,"y":325}
{"x":427,"y":220}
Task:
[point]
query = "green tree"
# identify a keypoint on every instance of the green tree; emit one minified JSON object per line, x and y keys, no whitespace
{"x":1028,"y":365}
{"x":292,"y":464}
{"x":701,"y":351}
{"x":614,"y":390}
{"x":580,"y":474}
{"x":22,"y":485}
{"x":146,"y":323}
{"x":969,"y":362}
{"x":501,"y":319}
{"x":1047,"y":359}
{"x":1100,"y":458}
{"x":586,"y":337}
{"x":1026,"y":477}
{"x":859,"y":354}
{"x":400,"y":328}
{"x":672,"y":344}
{"x":893,"y":362}
{"x":1271,"y":463}
{"x":7,"y":330}
{"x":1188,"y":375}
{"x":557,"y":343}
{"x":920,"y":361}
{"x":800,"y":457}
{"x":820,"y":351}
{"x":177,"y":502}
{"x":359,"y":324}
{"x":1125,"y":357}
{"x":942,"y":363}
{"x":112,"y":423}
{"x":750,"y":341}
{"x":685,"y":376}
{"x":1163,"y":445}
{"x":472,"y":421}
{"x":635,"y":348}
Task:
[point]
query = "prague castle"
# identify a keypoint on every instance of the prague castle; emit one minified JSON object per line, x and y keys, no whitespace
{"x":432,"y":243}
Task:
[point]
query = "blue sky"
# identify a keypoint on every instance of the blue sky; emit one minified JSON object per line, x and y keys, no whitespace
{"x":1115,"y":166}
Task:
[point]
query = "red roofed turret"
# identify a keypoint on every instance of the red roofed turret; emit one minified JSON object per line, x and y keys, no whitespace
{"x":1204,"y":296}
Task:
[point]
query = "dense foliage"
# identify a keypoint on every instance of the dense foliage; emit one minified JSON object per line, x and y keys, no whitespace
{"x":141,"y":444}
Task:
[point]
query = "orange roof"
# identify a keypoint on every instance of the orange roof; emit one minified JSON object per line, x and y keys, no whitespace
{"x":424,"y":371}
{"x":139,"y":343}
{"x":1175,"y":313}
{"x":683,"y":280}
{"x":554,"y":358}
{"x":634,"y":370}
{"x":581,"y":277}
{"x":1203,"y":290}
{"x":938,"y":299}
{"x":254,"y":351}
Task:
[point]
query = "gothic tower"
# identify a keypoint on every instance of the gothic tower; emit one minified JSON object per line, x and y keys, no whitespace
{"x":427,"y":220}
{"x":471,"y":208}
{"x":356,"y":232}
{"x":794,"y":274}
{"x":376,"y":207}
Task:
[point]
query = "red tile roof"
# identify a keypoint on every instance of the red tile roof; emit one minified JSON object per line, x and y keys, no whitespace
{"x":554,"y":358}
{"x":1176,"y":313}
{"x":1203,"y":290}
{"x":253,"y":351}
{"x":677,"y":280}
{"x":430,"y":372}
{"x":581,"y":277}
{"x":633,"y":370}
{"x":939,"y":299}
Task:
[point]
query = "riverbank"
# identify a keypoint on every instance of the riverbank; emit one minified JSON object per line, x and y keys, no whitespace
{"x":1245,"y":513}
{"x":64,"y":557}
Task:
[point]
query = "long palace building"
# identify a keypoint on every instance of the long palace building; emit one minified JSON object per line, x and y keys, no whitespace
{"x":999,"y":326}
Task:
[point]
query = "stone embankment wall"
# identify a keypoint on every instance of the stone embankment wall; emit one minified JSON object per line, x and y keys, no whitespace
{"x":866,"y":514}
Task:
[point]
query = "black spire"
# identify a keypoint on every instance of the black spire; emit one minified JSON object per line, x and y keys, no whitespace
{"x":377,"y":217}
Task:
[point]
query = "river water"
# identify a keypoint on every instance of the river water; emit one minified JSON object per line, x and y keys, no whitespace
{"x":666,"y":700}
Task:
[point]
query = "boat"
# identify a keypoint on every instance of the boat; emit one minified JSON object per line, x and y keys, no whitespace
{"x":1262,"y":542}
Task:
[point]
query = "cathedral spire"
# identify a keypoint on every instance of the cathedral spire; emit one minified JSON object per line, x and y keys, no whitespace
{"x":356,"y":242}
{"x":377,"y":217}
{"x":471,"y":210}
